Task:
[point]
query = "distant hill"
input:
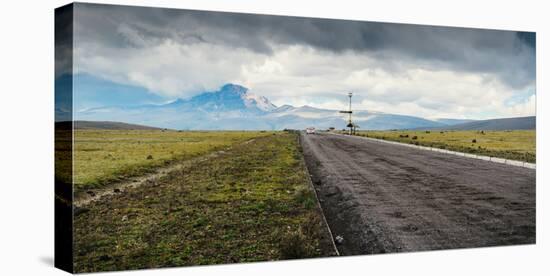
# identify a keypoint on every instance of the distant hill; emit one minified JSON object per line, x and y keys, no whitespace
{"x":519,"y":123}
{"x":453,"y":121}
{"x":105,"y":125}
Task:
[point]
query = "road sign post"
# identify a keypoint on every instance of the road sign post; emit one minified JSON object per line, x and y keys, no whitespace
{"x":350,"y":124}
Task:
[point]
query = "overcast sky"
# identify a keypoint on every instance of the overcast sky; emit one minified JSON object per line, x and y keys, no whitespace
{"x":434,"y":72}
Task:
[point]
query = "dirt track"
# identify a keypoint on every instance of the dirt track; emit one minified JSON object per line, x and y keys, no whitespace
{"x":388,"y":198}
{"x":83,"y":198}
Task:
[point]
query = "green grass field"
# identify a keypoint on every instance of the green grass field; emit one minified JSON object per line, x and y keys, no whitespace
{"x":516,"y":144}
{"x":251,"y":203}
{"x":104,"y":156}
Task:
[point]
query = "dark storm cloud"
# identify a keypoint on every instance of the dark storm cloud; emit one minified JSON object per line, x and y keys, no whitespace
{"x":63,"y":40}
{"x":508,"y":55}
{"x":528,"y":38}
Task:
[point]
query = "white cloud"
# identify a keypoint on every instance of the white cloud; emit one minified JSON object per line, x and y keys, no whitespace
{"x":302,"y":75}
{"x":299,"y":75}
{"x":168,"y":69}
{"x":527,"y":108}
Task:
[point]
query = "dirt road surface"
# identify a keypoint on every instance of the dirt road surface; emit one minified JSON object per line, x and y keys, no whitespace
{"x":389,"y":198}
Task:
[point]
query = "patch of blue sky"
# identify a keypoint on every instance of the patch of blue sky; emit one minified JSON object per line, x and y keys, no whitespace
{"x":520,"y":98}
{"x":91,"y":92}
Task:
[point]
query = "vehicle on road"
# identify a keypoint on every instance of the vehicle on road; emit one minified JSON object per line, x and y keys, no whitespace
{"x":310,"y":130}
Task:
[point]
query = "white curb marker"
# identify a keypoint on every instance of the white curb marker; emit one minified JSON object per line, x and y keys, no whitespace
{"x":467,"y":155}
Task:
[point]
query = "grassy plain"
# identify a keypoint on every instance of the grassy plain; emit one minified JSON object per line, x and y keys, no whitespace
{"x":515,"y":144}
{"x":251,"y":203}
{"x":104,"y":156}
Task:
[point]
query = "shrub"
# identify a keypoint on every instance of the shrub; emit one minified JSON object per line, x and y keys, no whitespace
{"x":305,"y":197}
{"x":149,"y":157}
{"x":414,"y":137}
{"x":474,"y":141}
{"x":294,"y":245}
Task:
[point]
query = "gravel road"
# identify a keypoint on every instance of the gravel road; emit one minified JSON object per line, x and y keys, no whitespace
{"x":389,"y":198}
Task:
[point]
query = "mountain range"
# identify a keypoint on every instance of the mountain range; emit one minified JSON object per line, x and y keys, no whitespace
{"x":234,"y":107}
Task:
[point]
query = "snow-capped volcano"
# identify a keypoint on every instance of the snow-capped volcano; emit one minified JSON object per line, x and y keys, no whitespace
{"x":260,"y":102}
{"x":230,"y":97}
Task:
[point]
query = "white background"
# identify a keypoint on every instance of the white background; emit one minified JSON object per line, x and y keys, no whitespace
{"x":26,"y":153}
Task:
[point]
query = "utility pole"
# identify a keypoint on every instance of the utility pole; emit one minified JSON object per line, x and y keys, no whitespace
{"x":350,"y":124}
